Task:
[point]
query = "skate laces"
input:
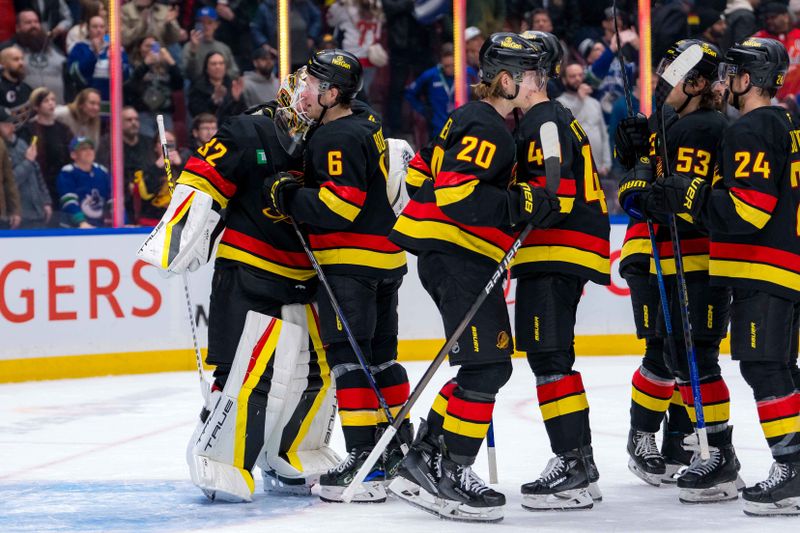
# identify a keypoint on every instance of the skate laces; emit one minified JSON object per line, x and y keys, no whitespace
{"x":646,"y":445}
{"x":778,"y":473}
{"x":700,"y":467}
{"x":555,"y":467}
{"x":346,"y":463}
{"x":470,"y":480}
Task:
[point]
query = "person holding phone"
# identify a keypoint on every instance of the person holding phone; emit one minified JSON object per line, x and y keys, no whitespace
{"x":202,"y":42}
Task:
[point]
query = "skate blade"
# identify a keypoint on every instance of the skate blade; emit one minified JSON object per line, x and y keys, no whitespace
{"x":785,"y":507}
{"x":368,"y":492}
{"x":594,"y":492}
{"x":442,"y":508}
{"x":674,"y":471}
{"x":719,"y":493}
{"x":569,"y":500}
{"x":649,"y":478}
{"x":739,"y":483}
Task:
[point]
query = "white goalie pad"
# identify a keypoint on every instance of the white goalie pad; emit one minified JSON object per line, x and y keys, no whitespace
{"x":186,"y":236}
{"x":399,"y":154}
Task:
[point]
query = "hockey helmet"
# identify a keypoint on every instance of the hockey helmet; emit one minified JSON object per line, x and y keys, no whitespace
{"x":766,"y":60}
{"x":509,"y":52}
{"x":552,"y":53}
{"x":707,"y":67}
{"x":337,"y":68}
{"x":291,"y":121}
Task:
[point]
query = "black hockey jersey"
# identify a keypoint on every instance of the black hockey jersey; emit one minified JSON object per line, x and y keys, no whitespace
{"x":752,"y":212}
{"x":579,"y":243}
{"x":231,"y":168}
{"x":344,"y":201}
{"x":464,"y":208}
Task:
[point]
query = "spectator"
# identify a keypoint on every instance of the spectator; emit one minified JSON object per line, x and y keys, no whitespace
{"x":712,"y":28}
{"x":88,"y":63}
{"x":82,"y":115}
{"x":9,"y":194}
{"x":52,"y":147}
{"x":136,"y":144}
{"x":14,"y":92}
{"x":488,"y":15}
{"x":474,"y":40}
{"x":214,"y":91}
{"x":327,"y":42}
{"x":80,"y":32}
{"x":150,"y":189}
{"x":741,"y":18}
{"x":44,"y":63}
{"x":234,"y":23}
{"x":55,"y":16}
{"x":84,"y":188}
{"x":432,"y":95}
{"x":202,"y":43}
{"x":305,"y":28}
{"x":358,"y":24}
{"x":778,"y":26}
{"x":145,"y":17}
{"x":673,"y":25}
{"x":261,"y":85}
{"x":204,"y":127}
{"x":36,"y":207}
{"x":577,"y":98}
{"x":149,"y":90}
{"x":604,"y":72}
{"x":564,"y":16}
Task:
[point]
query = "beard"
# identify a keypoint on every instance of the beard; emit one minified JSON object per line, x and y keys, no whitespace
{"x":572,"y":87}
{"x":34,"y":40}
{"x":266,"y":72}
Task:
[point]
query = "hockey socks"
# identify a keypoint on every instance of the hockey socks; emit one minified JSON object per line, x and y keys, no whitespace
{"x":650,"y":398}
{"x":716,"y":402}
{"x":565,"y":410}
{"x":780,"y":422}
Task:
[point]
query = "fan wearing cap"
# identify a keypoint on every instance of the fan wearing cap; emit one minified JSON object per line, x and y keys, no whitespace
{"x":778,"y":25}
{"x":84,"y":188}
{"x":202,"y":43}
{"x":750,"y":210}
{"x":693,"y":135}
{"x":344,"y":204}
{"x":460,"y":225}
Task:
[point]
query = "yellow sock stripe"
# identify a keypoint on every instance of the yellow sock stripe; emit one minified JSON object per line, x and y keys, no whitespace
{"x":362,"y":417}
{"x":393,"y":410}
{"x":784,"y":426}
{"x":676,"y":399}
{"x":565,"y":406}
{"x":262,"y":359}
{"x":720,"y":412}
{"x":648,"y":402}
{"x":440,"y":406}
{"x":464,"y":428}
{"x":325,"y":373}
{"x":168,"y":230}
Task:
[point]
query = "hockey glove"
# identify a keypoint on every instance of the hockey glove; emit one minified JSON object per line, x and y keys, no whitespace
{"x":631,"y":140}
{"x":529,"y":203}
{"x":679,"y":194}
{"x":279,"y":189}
{"x":633,"y":185}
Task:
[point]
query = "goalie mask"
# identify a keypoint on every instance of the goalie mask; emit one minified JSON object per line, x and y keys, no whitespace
{"x":291,"y":121}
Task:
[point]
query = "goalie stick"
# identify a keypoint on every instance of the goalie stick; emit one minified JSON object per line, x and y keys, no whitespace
{"x":551,"y":148}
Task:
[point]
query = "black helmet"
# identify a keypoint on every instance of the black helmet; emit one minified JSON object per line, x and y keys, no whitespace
{"x":552,"y":53}
{"x":766,"y":60}
{"x":708,"y":65}
{"x":509,"y":52}
{"x":338,"y":68}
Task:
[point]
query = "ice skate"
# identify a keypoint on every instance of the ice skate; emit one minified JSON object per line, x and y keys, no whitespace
{"x":645,"y":461}
{"x":714,"y":479}
{"x":779,"y":494}
{"x":333,"y":483}
{"x":677,"y":455}
{"x":563,"y":485}
{"x":592,"y":473}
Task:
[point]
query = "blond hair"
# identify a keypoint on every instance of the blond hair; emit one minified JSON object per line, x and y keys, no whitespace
{"x":491,"y":90}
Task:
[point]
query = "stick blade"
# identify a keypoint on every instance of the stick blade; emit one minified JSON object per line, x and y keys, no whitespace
{"x":551,"y":148}
{"x":680,"y":67}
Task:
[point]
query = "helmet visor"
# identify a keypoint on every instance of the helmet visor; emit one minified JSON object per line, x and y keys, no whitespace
{"x":726,"y":72}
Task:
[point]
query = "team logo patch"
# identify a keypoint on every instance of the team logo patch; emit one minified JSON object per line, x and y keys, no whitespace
{"x":503,"y":340}
{"x":509,"y":42}
{"x":340,"y":62}
{"x":261,"y":157}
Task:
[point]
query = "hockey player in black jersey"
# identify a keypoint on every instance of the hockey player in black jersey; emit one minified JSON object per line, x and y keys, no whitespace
{"x":343,"y":202}
{"x":552,"y":267}
{"x":693,"y":135}
{"x":459,"y":224}
{"x":751,"y":210}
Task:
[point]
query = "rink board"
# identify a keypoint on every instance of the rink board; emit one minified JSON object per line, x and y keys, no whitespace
{"x":81,"y":304}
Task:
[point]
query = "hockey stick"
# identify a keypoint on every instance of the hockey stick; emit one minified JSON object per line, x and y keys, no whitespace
{"x":551,"y":148}
{"x":676,"y":71}
{"x":204,"y":386}
{"x":346,"y":325}
{"x":491,"y":453}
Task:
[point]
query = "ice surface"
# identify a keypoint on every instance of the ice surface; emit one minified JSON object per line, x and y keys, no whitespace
{"x":107,"y":454}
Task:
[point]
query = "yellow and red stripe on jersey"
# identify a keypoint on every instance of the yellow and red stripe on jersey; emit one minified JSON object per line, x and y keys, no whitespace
{"x":343,"y":200}
{"x":716,"y":401}
{"x":562,"y":397}
{"x":468,"y":418}
{"x":359,"y":406}
{"x":753,"y":206}
{"x":636,"y":245}
{"x":650,"y":392}
{"x":418,"y":171}
{"x":243,"y":248}
{"x":565,"y":246}
{"x":753,"y":262}
{"x":175,"y":225}
{"x":566,"y":192}
{"x":198,"y":173}
{"x":780,"y":416}
{"x":358,"y":249}
{"x":452,"y":187}
{"x":694,"y":253}
{"x":425,"y":221}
